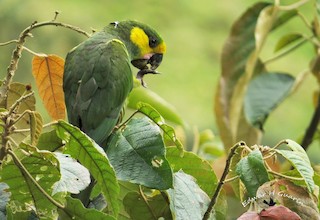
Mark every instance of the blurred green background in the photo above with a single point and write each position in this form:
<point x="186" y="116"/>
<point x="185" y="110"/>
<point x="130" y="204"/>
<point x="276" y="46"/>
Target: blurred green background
<point x="194" y="31"/>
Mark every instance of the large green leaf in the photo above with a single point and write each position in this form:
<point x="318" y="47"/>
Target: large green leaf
<point x="193" y="165"/>
<point x="236" y="53"/>
<point x="264" y="93"/>
<point x="125" y="188"/>
<point x="44" y="168"/>
<point x="74" y="176"/>
<point x="252" y="172"/>
<point x="168" y="132"/>
<point x="90" y="155"/>
<point x="187" y="200"/>
<point x="74" y="210"/>
<point x="141" y="94"/>
<point x="300" y="161"/>
<point x="138" y="155"/>
<point x="146" y="207"/>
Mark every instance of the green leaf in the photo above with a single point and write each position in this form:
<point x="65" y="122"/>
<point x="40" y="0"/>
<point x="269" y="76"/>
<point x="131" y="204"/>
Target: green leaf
<point x="146" y="207"/>
<point x="125" y="188"/>
<point x="168" y="131"/>
<point x="35" y="127"/>
<point x="264" y="93"/>
<point x="287" y="40"/>
<point x="168" y="111"/>
<point x="4" y="199"/>
<point x="90" y="155"/>
<point x="187" y="200"/>
<point x="74" y="210"/>
<point x="236" y="53"/>
<point x="300" y="161"/>
<point x="138" y="155"/>
<point x="74" y="177"/>
<point x="193" y="165"/>
<point x="264" y="25"/>
<point x="16" y="91"/>
<point x="252" y="172"/>
<point x="44" y="168"/>
<point x="49" y="141"/>
<point x="284" y="18"/>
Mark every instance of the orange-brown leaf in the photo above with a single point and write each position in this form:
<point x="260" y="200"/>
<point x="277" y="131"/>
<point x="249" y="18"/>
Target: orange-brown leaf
<point x="48" y="73"/>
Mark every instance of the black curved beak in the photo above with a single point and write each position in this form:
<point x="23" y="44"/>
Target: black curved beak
<point x="154" y="61"/>
<point x="147" y="66"/>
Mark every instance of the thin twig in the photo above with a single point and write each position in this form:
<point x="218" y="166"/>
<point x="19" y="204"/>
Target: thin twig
<point x="292" y="6"/>
<point x="16" y="55"/>
<point x="18" y="102"/>
<point x="222" y="179"/>
<point x="8" y="42"/>
<point x="26" y="174"/>
<point x="287" y="51"/>
<point x="126" y="121"/>
<point x="147" y="203"/>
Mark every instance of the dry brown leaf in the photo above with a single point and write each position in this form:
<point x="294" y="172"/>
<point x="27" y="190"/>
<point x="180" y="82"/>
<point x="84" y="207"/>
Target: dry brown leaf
<point x="48" y="73"/>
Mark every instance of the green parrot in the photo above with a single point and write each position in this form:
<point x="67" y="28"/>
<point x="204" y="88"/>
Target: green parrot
<point x="98" y="78"/>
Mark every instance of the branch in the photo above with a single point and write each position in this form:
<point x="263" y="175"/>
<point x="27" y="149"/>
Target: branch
<point x="222" y="179"/>
<point x="312" y="128"/>
<point x="16" y="55"/>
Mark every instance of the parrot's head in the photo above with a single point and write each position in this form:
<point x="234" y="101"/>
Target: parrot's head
<point x="144" y="44"/>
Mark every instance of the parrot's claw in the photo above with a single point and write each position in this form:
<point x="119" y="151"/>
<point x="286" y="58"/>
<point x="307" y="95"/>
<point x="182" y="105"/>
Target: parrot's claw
<point x="142" y="72"/>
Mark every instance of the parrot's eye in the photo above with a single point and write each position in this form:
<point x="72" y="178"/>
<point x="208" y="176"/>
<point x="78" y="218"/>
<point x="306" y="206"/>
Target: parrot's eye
<point x="152" y="42"/>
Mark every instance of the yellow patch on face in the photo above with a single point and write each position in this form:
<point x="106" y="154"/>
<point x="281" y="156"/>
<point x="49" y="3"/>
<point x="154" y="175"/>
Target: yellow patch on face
<point x="140" y="38"/>
<point x="161" y="48"/>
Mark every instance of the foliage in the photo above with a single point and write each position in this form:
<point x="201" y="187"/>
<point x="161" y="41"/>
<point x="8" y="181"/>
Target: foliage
<point x="144" y="172"/>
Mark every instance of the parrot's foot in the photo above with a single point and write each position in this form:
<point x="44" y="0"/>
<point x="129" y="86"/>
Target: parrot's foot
<point x="142" y="72"/>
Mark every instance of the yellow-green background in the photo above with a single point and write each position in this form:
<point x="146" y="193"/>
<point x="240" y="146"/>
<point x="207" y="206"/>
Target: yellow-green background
<point x="194" y="31"/>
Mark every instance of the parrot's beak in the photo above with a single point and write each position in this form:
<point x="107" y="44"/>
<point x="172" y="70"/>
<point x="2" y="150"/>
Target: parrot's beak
<point x="154" y="60"/>
<point x="147" y="65"/>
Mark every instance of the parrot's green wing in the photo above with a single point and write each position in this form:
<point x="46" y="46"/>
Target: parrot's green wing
<point x="97" y="80"/>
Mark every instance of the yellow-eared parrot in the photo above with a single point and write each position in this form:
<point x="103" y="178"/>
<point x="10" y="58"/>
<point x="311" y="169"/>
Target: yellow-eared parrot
<point x="98" y="78"/>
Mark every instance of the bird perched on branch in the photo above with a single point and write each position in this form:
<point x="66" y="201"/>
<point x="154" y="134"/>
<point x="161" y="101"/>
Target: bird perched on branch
<point x="98" y="78"/>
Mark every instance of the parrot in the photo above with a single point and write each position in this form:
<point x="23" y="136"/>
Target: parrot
<point x="98" y="77"/>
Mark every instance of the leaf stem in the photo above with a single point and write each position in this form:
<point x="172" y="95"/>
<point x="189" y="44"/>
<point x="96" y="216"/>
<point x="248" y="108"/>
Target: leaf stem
<point x="287" y="51"/>
<point x="222" y="179"/>
<point x="231" y="179"/>
<point x="26" y="174"/>
<point x="147" y="203"/>
<point x="285" y="176"/>
<point x="35" y="53"/>
<point x="280" y="143"/>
